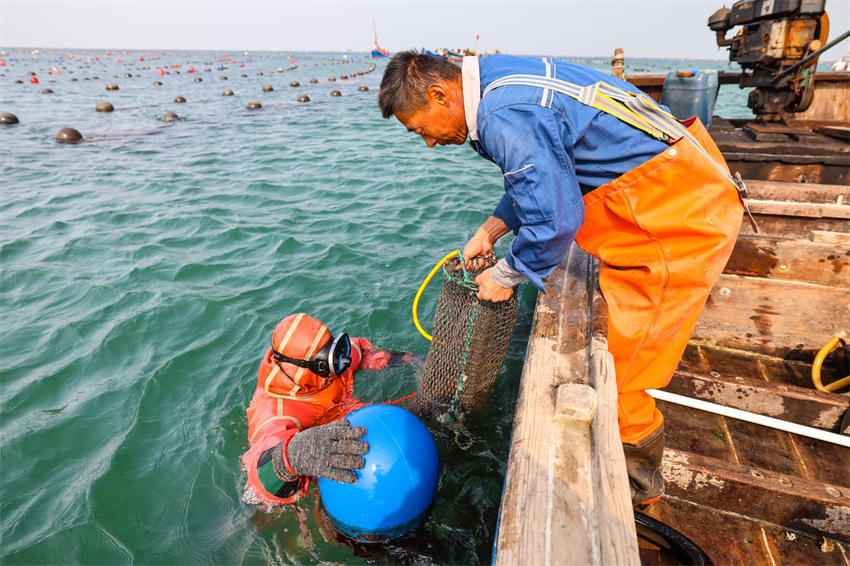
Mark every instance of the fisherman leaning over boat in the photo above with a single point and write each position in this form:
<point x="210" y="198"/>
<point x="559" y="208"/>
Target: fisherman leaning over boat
<point x="584" y="159"/>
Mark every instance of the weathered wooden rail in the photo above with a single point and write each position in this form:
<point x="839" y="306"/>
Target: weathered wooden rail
<point x="566" y="498"/>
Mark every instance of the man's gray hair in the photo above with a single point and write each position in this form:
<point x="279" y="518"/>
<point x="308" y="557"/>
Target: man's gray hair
<point x="407" y="77"/>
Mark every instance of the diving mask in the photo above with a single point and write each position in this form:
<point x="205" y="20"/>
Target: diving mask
<point x="333" y="359"/>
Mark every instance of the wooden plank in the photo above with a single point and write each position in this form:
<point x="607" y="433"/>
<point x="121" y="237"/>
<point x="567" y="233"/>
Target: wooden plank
<point x="831" y="102"/>
<point x="736" y="442"/>
<point x="711" y="359"/>
<point x="765" y="449"/>
<point x="803" y="209"/>
<point x="611" y="482"/>
<point x="561" y="503"/>
<point x="696" y="431"/>
<point x="794" y="547"/>
<point x="780" y="318"/>
<point x="528" y="533"/>
<point x="797" y="192"/>
<point x="738" y="146"/>
<point x="793" y="227"/>
<point x="793" y="404"/>
<point x="652" y="85"/>
<point x="814" y="124"/>
<point x="823" y="462"/>
<point x="788" y="153"/>
<point x="834" y="132"/>
<point x="790" y="455"/>
<point x="762" y="189"/>
<point x="823" y="237"/>
<point x="731" y="539"/>
<point x="648" y="81"/>
<point x="796" y="503"/>
<point x="790" y="260"/>
<point x="806" y="169"/>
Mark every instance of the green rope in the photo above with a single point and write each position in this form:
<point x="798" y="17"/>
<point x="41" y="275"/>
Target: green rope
<point x="469" y="283"/>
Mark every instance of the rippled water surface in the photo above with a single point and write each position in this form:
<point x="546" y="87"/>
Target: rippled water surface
<point x="144" y="269"/>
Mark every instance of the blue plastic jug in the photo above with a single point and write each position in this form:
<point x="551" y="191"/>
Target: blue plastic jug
<point x="690" y="93"/>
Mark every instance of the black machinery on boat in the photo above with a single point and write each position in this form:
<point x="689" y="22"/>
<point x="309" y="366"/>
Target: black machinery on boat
<point x="777" y="46"/>
<point x="775" y="36"/>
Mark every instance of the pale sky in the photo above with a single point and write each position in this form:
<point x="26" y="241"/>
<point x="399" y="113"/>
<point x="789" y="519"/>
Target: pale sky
<point x="648" y="28"/>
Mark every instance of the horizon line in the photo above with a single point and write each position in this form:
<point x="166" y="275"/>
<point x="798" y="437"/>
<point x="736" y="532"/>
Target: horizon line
<point x="183" y="52"/>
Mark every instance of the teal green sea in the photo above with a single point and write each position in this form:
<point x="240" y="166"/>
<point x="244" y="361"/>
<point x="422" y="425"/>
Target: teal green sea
<point x="144" y="270"/>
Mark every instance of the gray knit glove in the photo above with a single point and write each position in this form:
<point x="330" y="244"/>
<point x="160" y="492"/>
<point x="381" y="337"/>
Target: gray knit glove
<point x="328" y="451"/>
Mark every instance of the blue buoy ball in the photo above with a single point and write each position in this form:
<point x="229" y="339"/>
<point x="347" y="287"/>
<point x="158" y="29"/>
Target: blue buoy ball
<point x="395" y="489"/>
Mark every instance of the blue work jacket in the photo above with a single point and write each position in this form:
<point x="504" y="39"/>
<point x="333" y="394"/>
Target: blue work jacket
<point x="551" y="149"/>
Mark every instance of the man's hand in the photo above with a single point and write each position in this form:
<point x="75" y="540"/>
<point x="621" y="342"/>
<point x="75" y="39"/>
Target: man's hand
<point x="489" y="291"/>
<point x="482" y="242"/>
<point x="479" y="244"/>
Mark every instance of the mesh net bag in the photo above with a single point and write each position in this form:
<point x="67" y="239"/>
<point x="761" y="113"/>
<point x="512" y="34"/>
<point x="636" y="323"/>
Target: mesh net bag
<point x="470" y="342"/>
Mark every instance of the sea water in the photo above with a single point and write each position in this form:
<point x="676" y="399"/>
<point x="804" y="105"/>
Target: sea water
<point x="144" y="270"/>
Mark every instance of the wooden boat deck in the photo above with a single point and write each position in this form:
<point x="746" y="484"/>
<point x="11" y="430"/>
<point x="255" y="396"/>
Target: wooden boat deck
<point x="748" y="494"/>
<point x="745" y="493"/>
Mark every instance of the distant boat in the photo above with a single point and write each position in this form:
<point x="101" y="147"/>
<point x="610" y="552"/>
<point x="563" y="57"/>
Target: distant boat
<point x="445" y="54"/>
<point x="454" y="56"/>
<point x="842" y="65"/>
<point x="378" y="52"/>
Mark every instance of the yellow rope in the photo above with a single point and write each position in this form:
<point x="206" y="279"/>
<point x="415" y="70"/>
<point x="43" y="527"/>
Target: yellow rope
<point x="422" y="288"/>
<point x="818" y="363"/>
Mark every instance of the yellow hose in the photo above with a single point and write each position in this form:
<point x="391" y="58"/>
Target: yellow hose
<point x="422" y="288"/>
<point x="818" y="363"/>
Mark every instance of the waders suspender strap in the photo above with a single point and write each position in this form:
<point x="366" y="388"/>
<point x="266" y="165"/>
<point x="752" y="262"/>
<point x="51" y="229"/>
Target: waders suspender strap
<point x="637" y="110"/>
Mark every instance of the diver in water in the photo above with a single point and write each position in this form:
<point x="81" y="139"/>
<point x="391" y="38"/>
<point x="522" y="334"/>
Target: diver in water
<point x="305" y="385"/>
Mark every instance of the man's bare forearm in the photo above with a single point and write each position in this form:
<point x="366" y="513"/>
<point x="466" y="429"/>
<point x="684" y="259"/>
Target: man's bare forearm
<point x="495" y="229"/>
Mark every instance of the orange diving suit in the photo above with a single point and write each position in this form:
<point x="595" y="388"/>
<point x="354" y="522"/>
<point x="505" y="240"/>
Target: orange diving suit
<point x="289" y="399"/>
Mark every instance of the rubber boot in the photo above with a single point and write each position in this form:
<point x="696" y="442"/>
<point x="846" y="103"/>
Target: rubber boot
<point x="643" y="464"/>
